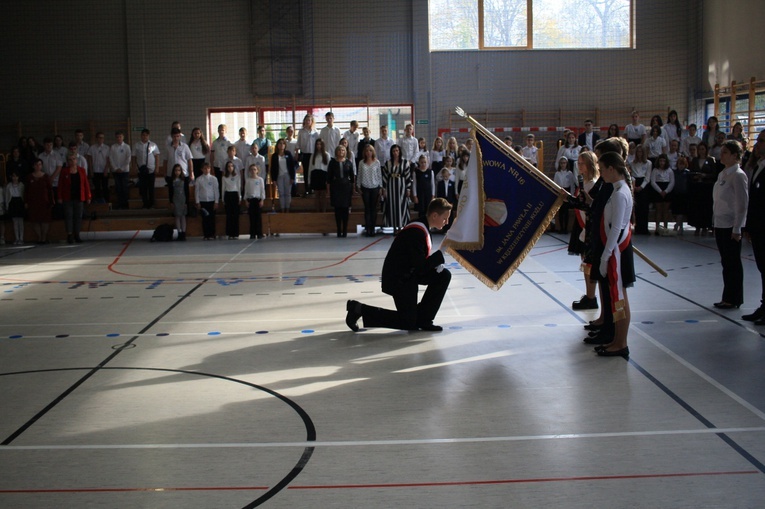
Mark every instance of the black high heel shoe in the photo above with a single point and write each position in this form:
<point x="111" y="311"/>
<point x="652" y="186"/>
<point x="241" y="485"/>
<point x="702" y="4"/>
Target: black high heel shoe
<point x="598" y="339"/>
<point x="593" y="326"/>
<point x="624" y="352"/>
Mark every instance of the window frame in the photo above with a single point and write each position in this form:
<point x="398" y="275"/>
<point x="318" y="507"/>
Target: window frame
<point x="530" y="33"/>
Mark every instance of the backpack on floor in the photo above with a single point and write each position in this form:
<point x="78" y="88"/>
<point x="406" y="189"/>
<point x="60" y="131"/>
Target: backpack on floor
<point x="162" y="233"/>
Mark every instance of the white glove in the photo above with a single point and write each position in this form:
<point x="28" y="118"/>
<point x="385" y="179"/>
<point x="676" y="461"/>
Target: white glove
<point x="440" y="268"/>
<point x="603" y="267"/>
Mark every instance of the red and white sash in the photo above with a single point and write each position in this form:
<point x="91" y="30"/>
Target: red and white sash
<point x="424" y="229"/>
<point x="614" y="272"/>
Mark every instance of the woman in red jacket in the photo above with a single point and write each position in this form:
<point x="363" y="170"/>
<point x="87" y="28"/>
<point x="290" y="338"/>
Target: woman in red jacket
<point x="73" y="192"/>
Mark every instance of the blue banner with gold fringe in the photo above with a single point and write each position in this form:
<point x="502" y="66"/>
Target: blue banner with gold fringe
<point x="508" y="209"/>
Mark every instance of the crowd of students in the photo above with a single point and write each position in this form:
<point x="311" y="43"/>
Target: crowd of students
<point x="674" y="169"/>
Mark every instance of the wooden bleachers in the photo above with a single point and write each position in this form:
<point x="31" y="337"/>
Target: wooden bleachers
<point x="302" y="218"/>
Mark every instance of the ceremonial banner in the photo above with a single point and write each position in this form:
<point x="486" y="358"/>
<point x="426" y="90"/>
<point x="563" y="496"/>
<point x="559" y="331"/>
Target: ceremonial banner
<point x="509" y="207"/>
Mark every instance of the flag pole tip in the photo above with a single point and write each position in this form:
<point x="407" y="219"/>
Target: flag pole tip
<point x="459" y="111"/>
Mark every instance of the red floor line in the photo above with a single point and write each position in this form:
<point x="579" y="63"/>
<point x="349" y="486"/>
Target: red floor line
<point x="391" y="485"/>
<point x="523" y="481"/>
<point x="116" y="260"/>
<point x="551" y="251"/>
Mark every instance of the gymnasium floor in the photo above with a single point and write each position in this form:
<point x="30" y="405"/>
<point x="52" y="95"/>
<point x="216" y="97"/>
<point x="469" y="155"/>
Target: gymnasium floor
<point x="222" y="375"/>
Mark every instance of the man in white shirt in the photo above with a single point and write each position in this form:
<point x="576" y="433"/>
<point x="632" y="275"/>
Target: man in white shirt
<point x="119" y="161"/>
<point x="254" y="158"/>
<point x="52" y="163"/>
<point x="352" y="135"/>
<point x="408" y="145"/>
<point x="237" y="162"/>
<point x="529" y="151"/>
<point x="691" y="139"/>
<point x="82" y="162"/>
<point x="179" y="153"/>
<point x="98" y="162"/>
<point x="146" y="161"/>
<point x="383" y="145"/>
<point x="219" y="151"/>
<point x="292" y="142"/>
<point x="82" y="147"/>
<point x="258" y="160"/>
<point x="207" y="196"/>
<point x="242" y="145"/>
<point x="169" y="139"/>
<point x="59" y="148"/>
<point x="330" y="134"/>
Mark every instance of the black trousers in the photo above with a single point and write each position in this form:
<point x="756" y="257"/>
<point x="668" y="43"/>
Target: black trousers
<point x="101" y="186"/>
<point x="409" y="315"/>
<point x="208" y="220"/>
<point x="758" y="246"/>
<point x="305" y="162"/>
<point x="198" y="166"/>
<point x="370" y="196"/>
<point x="146" y="188"/>
<point x="256" y="221"/>
<point x="642" y="206"/>
<point x="121" y="182"/>
<point x="341" y="221"/>
<point x="231" y="202"/>
<point x="732" y="269"/>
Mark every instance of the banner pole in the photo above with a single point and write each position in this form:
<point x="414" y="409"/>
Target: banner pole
<point x="512" y="153"/>
<point x="648" y="261"/>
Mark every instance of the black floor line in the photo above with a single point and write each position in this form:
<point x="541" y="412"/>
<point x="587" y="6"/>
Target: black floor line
<point x="671" y="394"/>
<point x="702" y="306"/>
<point x="13" y="436"/>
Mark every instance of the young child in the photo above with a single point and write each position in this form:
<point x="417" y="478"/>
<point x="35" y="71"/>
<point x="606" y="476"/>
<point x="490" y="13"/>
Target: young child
<point x="437" y="154"/>
<point x="422" y="150"/>
<point x="179" y="200"/>
<point x="662" y="181"/>
<point x="254" y="195"/>
<point x="529" y="152"/>
<point x="564" y="178"/>
<point x="232" y="198"/>
<point x="691" y="139"/>
<point x="461" y="173"/>
<point x="237" y="162"/>
<point x="679" y="205"/>
<point x="207" y="194"/>
<point x="448" y="166"/>
<point x="631" y="153"/>
<point x="14" y="199"/>
<point x="446" y="189"/>
<point x="673" y="154"/>
<point x="452" y="149"/>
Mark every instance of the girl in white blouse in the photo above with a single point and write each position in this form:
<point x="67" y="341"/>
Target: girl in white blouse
<point x="641" y="174"/>
<point x="655" y="144"/>
<point x="232" y="198"/>
<point x="616" y="264"/>
<point x="662" y="182"/>
<point x="318" y="163"/>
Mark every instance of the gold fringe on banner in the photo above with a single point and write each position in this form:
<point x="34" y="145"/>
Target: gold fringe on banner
<point x="533" y="172"/>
